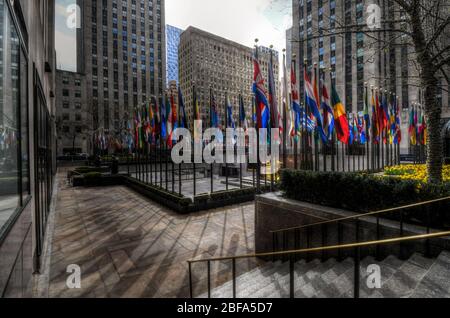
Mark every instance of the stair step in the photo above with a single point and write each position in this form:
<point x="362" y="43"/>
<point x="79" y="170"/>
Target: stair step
<point x="226" y="290"/>
<point x="436" y="283"/>
<point x="406" y="279"/>
<point x="277" y="279"/>
<point x="302" y="276"/>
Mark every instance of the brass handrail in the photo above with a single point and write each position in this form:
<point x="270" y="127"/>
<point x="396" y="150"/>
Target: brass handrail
<point x="327" y="248"/>
<point x="353" y="217"/>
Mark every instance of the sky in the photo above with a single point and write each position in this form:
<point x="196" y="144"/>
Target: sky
<point x="238" y="20"/>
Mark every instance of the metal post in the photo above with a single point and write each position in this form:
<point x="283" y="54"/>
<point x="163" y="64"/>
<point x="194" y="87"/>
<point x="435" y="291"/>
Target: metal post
<point x="209" y="279"/>
<point x="291" y="277"/>
<point x="234" y="278"/>
<point x="191" y="294"/>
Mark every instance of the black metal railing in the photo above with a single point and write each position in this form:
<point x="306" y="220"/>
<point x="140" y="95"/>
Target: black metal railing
<point x="291" y="255"/>
<point x="325" y="225"/>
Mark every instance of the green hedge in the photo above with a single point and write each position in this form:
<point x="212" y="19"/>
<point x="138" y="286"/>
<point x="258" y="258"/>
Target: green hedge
<point x="356" y="192"/>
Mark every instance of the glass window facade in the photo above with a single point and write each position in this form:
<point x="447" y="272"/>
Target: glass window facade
<point x="14" y="143"/>
<point x="173" y="41"/>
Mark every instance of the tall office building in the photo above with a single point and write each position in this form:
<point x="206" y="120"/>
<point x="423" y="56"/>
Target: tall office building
<point x="172" y="42"/>
<point x="355" y="58"/>
<point x="73" y="116"/>
<point x="123" y="56"/>
<point x="27" y="139"/>
<point x="211" y="62"/>
<point x="289" y="48"/>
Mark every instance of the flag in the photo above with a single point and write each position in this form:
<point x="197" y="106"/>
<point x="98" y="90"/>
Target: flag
<point x="230" y="120"/>
<point x="328" y="117"/>
<point x="214" y="112"/>
<point x="340" y="117"/>
<point x="351" y="137"/>
<point x="197" y="113"/>
<point x="151" y="124"/>
<point x="311" y="99"/>
<point x="295" y="104"/>
<point x="362" y="130"/>
<point x="182" y="110"/>
<point x="242" y="114"/>
<point x="412" y="127"/>
<point x="286" y="102"/>
<point x="163" y="111"/>
<point x="398" y="130"/>
<point x="262" y="105"/>
<point x="172" y="121"/>
<point x="375" y="121"/>
<point x="275" y="117"/>
<point x="366" y="110"/>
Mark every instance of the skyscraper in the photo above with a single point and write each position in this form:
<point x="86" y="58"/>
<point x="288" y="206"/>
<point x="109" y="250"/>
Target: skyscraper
<point x="172" y="41"/>
<point x="123" y="57"/>
<point x="212" y="62"/>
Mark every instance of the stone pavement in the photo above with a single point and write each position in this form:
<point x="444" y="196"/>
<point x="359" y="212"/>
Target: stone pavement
<point x="129" y="246"/>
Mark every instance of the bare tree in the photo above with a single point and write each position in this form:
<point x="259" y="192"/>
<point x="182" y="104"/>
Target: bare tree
<point x="423" y="25"/>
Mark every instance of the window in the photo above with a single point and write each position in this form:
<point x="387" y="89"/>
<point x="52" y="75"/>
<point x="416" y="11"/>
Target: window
<point x="14" y="140"/>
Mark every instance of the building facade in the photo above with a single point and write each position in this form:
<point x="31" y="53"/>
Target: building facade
<point x="73" y="118"/>
<point x="27" y="139"/>
<point x="211" y="63"/>
<point x="172" y="42"/>
<point x="352" y="60"/>
<point x="123" y="56"/>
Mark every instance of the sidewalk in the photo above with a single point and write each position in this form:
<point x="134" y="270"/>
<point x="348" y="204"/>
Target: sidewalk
<point x="128" y="246"/>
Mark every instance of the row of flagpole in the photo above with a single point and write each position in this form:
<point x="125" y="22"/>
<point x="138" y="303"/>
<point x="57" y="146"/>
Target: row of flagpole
<point x="318" y="124"/>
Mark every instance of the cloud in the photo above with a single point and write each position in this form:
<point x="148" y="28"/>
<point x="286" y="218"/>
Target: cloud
<point x="66" y="53"/>
<point x="65" y="38"/>
<point x="238" y="20"/>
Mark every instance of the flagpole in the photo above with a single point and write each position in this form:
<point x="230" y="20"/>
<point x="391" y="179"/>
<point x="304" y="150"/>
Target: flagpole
<point x="286" y="103"/>
<point x="211" y="122"/>
<point x="296" y="137"/>
<point x="258" y="164"/>
<point x="316" y="132"/>
<point x="197" y="115"/>
<point x="272" y="124"/>
<point x="367" y="120"/>
<point x="322" y="74"/>
<point x="226" y="141"/>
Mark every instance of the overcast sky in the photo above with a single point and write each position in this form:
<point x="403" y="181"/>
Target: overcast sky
<point x="238" y="20"/>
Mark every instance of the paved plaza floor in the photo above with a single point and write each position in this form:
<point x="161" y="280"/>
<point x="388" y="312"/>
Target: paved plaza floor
<point x="129" y="246"/>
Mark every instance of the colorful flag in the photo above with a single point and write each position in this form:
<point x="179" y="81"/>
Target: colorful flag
<point x="295" y="104"/>
<point x="328" y="117"/>
<point x="366" y="110"/>
<point x="164" y="104"/>
<point x="412" y="127"/>
<point x="273" y="101"/>
<point x="398" y="128"/>
<point x="214" y="113"/>
<point x="362" y="130"/>
<point x="230" y="120"/>
<point x="340" y="117"/>
<point x="182" y="110"/>
<point x="262" y="105"/>
<point x="311" y="100"/>
<point x="375" y="121"/>
<point x="242" y="114"/>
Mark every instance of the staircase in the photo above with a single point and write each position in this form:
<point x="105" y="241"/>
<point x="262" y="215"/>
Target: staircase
<point x="417" y="277"/>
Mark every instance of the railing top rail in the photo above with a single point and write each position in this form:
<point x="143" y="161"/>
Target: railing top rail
<point x="362" y="215"/>
<point x="328" y="248"/>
